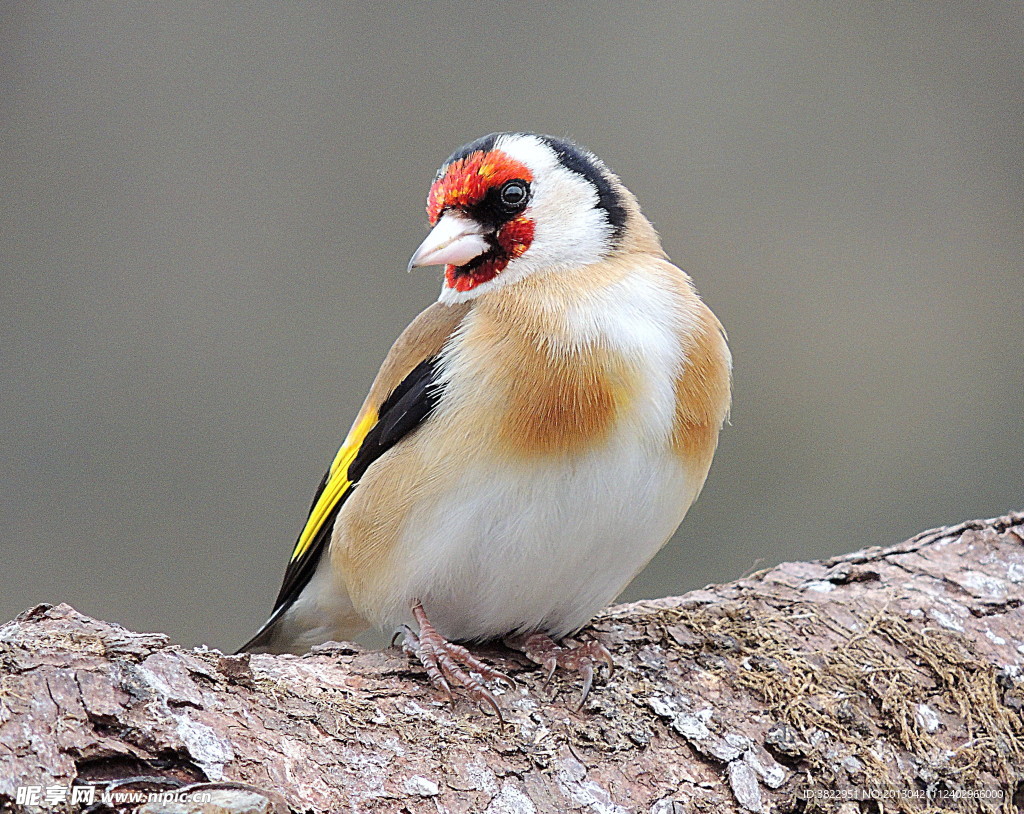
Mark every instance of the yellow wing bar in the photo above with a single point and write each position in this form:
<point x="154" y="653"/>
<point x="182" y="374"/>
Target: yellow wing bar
<point x="337" y="483"/>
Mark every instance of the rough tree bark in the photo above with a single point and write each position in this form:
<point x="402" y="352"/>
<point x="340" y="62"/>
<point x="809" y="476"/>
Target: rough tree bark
<point x="894" y="667"/>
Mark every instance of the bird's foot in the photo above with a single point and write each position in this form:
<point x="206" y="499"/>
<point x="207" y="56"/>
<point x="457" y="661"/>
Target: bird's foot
<point x="448" y="663"/>
<point x="581" y="658"/>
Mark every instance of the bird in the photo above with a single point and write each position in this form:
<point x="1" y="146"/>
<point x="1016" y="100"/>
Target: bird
<point x="531" y="439"/>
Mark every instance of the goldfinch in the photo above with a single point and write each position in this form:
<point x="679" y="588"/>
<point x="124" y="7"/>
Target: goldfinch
<point x="532" y="439"/>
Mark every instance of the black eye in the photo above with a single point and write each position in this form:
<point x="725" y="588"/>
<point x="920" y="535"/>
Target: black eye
<point x="514" y="194"/>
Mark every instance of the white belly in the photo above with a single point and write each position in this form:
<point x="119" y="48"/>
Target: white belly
<point x="530" y="552"/>
<point x="543" y="549"/>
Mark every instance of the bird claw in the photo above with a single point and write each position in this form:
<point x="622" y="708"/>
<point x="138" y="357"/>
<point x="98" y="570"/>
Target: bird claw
<point x="445" y="661"/>
<point x="550" y="665"/>
<point x="582" y="658"/>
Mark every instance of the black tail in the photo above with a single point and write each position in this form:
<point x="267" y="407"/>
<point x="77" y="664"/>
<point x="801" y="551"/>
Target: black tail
<point x="263" y="640"/>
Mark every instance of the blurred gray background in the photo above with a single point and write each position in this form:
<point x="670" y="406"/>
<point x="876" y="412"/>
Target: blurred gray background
<point x="207" y="210"/>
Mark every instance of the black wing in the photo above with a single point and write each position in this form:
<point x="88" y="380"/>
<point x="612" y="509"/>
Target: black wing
<point x="408" y="405"/>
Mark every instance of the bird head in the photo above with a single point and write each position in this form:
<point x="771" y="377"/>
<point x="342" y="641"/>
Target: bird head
<point x="513" y="204"/>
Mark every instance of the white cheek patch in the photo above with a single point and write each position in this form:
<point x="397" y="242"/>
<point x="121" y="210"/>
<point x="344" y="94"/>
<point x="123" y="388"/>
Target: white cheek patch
<point x="570" y="230"/>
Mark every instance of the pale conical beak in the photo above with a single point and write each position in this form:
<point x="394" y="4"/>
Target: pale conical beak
<point x="454" y="240"/>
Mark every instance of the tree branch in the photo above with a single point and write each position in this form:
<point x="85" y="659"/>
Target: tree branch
<point x="894" y="667"/>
